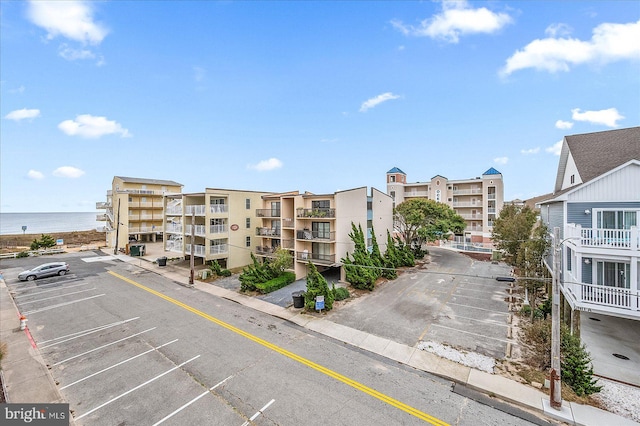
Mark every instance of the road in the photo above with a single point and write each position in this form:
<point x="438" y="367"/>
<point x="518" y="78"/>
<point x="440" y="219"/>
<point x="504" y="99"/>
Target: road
<point x="129" y="347"/>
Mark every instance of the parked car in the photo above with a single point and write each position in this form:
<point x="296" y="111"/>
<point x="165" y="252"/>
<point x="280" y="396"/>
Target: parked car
<point x="45" y="270"/>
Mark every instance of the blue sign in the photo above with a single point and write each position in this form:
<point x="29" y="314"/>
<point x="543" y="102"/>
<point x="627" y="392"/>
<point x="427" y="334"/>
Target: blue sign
<point x="319" y="303"/>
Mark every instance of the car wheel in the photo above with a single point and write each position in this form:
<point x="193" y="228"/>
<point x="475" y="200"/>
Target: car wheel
<point x="61" y="273"/>
<point x="31" y="277"/>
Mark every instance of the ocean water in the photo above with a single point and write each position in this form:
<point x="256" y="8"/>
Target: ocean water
<point x="43" y="223"/>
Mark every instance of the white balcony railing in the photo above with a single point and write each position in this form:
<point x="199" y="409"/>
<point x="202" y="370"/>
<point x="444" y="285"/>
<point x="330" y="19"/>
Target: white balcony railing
<point x="218" y="208"/>
<point x="472" y="191"/>
<point x="624" y="239"/>
<point x="218" y="249"/>
<point x="416" y="194"/>
<point x="200" y="230"/>
<point x="477" y="204"/>
<point x="611" y="300"/>
<point x="217" y="229"/>
<point x="174" y="210"/>
<point x="199" y="210"/>
<point x="174" y="246"/>
<point x="175" y="228"/>
<point x="198" y="250"/>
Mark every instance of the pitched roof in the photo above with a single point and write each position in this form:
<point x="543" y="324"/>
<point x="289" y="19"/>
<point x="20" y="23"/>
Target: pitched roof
<point x="492" y="171"/>
<point x="149" y="181"/>
<point x="396" y="170"/>
<point x="596" y="153"/>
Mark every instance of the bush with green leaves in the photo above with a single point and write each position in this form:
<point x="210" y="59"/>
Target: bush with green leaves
<point x="218" y="270"/>
<point x="340" y="293"/>
<point x="45" y="241"/>
<point x="255" y="273"/>
<point x="317" y="286"/>
<point x="22" y="254"/>
<point x="361" y="270"/>
<point x="276" y="283"/>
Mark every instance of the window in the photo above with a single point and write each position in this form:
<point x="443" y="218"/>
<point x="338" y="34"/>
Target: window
<point x="320" y="204"/>
<point x="248" y="223"/>
<point x="393" y="195"/>
<point x="321" y="229"/>
<point x="247" y="203"/>
<point x="613" y="274"/>
<point x="392" y="178"/>
<point x="247" y="242"/>
<point x="573" y="179"/>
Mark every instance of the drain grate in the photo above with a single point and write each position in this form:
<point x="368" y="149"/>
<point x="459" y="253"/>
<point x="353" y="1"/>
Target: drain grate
<point x="594" y="319"/>
<point x="626" y="358"/>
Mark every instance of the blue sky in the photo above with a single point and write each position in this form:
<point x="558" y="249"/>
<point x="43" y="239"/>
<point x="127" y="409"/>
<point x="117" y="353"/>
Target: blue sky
<point x="301" y="95"/>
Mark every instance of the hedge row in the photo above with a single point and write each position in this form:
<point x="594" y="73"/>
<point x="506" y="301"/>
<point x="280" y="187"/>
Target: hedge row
<point x="276" y="283"/>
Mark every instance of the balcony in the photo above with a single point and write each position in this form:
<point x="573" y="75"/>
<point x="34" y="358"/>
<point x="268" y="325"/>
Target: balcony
<point x="198" y="250"/>
<point x="288" y="223"/>
<point x="268" y="212"/>
<point x="174" y="246"/>
<point x="622" y="302"/>
<point x="267" y="232"/>
<point x="316" y="213"/>
<point x="321" y="259"/>
<point x="101" y="217"/>
<point x="173" y="211"/>
<point x="200" y="230"/>
<point x="218" y="229"/>
<point x="315" y="235"/>
<point x="593" y="240"/>
<point x="472" y="191"/>
<point x="219" y="249"/>
<point x="266" y="250"/>
<point x="471" y="216"/>
<point x="218" y="208"/>
<point x="138" y="191"/>
<point x="198" y="210"/>
<point x="416" y="194"/>
<point x="477" y="204"/>
<point x="103" y="205"/>
<point x="174" y="228"/>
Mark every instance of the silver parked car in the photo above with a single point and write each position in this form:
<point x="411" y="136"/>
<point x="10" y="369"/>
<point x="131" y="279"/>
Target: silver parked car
<point x="46" y="270"/>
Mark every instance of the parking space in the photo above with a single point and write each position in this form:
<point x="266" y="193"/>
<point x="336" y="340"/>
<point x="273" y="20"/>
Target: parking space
<point x="452" y="299"/>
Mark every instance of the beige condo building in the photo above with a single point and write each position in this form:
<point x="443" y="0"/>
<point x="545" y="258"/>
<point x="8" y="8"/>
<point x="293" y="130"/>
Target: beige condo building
<point x="478" y="200"/>
<point x="134" y="210"/>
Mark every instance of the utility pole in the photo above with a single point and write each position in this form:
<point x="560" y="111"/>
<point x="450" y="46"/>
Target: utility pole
<point x="193" y="241"/>
<point x="554" y="390"/>
<point x="115" y="248"/>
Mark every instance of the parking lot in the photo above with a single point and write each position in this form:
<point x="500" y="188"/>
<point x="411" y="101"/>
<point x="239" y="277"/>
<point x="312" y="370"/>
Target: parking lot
<point x="452" y="299"/>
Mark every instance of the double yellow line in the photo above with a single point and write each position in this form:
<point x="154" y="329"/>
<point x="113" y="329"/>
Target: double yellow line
<point x="356" y="385"/>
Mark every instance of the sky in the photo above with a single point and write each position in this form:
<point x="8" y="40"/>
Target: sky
<point x="302" y="95"/>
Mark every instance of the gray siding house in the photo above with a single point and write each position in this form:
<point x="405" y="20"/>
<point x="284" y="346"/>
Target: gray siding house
<point x="596" y="205"/>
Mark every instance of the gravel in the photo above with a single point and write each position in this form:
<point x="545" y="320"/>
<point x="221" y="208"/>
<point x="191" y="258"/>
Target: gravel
<point x="470" y="359"/>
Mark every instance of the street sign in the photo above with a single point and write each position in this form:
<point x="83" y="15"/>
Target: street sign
<point x="59" y="242"/>
<point x="319" y="303"/>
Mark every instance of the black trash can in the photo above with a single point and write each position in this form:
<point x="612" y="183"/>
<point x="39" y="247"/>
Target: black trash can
<point x="298" y="299"/>
<point x="162" y="261"/>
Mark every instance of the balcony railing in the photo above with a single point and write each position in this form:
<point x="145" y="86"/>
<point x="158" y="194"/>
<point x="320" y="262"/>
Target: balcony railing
<point x="266" y="250"/>
<point x="218" y="208"/>
<point x="147" y="229"/>
<point x="590" y="297"/>
<point x="101" y="217"/>
<point x="316" y="235"/>
<point x="625" y="239"/>
<point x="198" y="250"/>
<point x="175" y="228"/>
<point x="416" y="194"/>
<point x="219" y="249"/>
<point x="200" y="230"/>
<point x="316" y="213"/>
<point x="471" y="216"/>
<point x="174" y="211"/>
<point x="325" y="259"/>
<point x="267" y="232"/>
<point x="288" y="223"/>
<point x="268" y="212"/>
<point x="477" y="204"/>
<point x="199" y="210"/>
<point x="218" y="229"/>
<point x="472" y="191"/>
<point x="103" y="205"/>
<point x="174" y="246"/>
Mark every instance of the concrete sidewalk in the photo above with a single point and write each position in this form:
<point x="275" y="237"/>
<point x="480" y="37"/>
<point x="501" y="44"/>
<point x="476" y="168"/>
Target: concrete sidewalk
<point x="28" y="379"/>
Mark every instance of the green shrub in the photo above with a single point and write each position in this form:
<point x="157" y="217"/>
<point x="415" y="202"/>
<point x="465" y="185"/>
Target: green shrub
<point x="22" y="254"/>
<point x="217" y="269"/>
<point x="525" y="310"/>
<point x="276" y="283"/>
<point x="317" y="286"/>
<point x="340" y="293"/>
<point x="225" y="273"/>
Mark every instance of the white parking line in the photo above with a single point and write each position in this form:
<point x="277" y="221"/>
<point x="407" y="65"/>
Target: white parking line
<point x="98" y="258"/>
<point x="61" y="304"/>
<point x="55" y="297"/>
<point x="481" y="309"/>
<point x="191" y="402"/>
<point x="485" y="321"/>
<point x="17" y="293"/>
<point x="473" y="334"/>
<point x="118" y="364"/>
<point x="103" y="346"/>
<point x="84" y="332"/>
<point x="136" y="388"/>
<point x="255" y="416"/>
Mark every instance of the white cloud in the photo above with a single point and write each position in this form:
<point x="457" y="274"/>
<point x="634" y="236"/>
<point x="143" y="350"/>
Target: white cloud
<point x="88" y="126"/>
<point x="608" y="117"/>
<point x="71" y="54"/>
<point x="501" y="160"/>
<point x="609" y="43"/>
<point x="555" y="148"/>
<point x="70" y="19"/>
<point x="373" y="102"/>
<point x="555" y="30"/>
<point x="564" y="124"/>
<point x="457" y="18"/>
<point x="530" y="151"/>
<point x="68" y="172"/>
<point x="21" y="114"/>
<point x="35" y="175"/>
<point x="266" y="165"/>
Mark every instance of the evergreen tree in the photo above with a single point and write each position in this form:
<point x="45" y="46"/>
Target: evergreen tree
<point x="317" y="286"/>
<point x="360" y="271"/>
<point x="576" y="368"/>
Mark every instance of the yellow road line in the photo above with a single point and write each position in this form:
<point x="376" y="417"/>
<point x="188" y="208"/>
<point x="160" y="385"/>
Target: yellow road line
<point x="356" y="385"/>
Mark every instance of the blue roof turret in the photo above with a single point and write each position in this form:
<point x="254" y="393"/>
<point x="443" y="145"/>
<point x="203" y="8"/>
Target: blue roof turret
<point x="396" y="170"/>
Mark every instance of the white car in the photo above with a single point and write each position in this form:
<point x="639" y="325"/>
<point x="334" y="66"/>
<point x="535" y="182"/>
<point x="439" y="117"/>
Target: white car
<point x="46" y="270"/>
